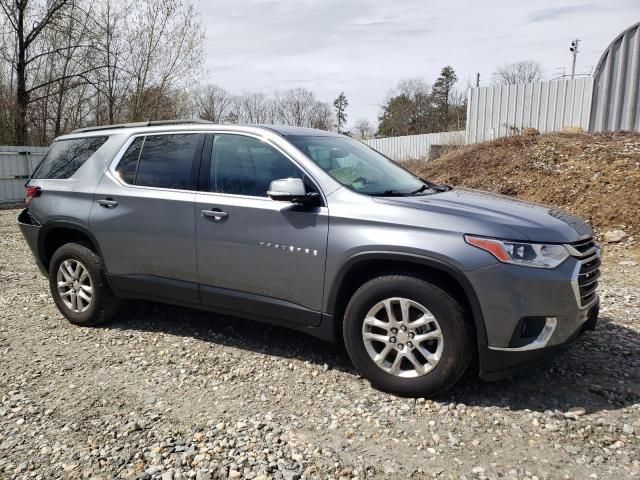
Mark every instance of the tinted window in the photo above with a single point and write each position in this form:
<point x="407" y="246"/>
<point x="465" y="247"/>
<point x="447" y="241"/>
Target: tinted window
<point x="65" y="157"/>
<point x="129" y="162"/>
<point x="246" y="166"/>
<point x="166" y="161"/>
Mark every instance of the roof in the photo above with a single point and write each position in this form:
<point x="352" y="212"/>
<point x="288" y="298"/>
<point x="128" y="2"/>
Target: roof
<point x="289" y="131"/>
<point x="141" y="126"/>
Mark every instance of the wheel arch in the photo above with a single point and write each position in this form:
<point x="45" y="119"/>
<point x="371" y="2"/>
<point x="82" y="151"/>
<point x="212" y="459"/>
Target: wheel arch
<point x="55" y="234"/>
<point x="363" y="267"/>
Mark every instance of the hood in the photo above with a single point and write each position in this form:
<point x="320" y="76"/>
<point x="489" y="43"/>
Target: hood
<point x="537" y="223"/>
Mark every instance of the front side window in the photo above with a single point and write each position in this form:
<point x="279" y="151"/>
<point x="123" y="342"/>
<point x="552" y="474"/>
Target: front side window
<point x="246" y="166"/>
<point x="357" y="166"/>
<point x="65" y="157"/>
<point x="161" y="161"/>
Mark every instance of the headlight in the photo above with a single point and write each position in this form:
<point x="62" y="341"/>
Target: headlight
<point x="538" y="255"/>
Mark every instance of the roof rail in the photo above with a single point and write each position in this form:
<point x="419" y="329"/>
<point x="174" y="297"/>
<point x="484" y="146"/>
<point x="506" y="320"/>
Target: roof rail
<point x="150" y="123"/>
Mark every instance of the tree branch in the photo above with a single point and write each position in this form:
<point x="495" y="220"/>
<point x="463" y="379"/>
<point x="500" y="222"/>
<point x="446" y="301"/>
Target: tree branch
<point x="56" y="50"/>
<point x="9" y="16"/>
<point x="33" y="34"/>
<point x="65" y="77"/>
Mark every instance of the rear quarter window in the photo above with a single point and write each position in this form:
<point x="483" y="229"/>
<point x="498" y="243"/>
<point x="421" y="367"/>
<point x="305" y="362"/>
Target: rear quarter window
<point x="65" y="157"/>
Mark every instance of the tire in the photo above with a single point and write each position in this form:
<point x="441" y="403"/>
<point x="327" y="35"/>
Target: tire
<point x="446" y="343"/>
<point x="103" y="305"/>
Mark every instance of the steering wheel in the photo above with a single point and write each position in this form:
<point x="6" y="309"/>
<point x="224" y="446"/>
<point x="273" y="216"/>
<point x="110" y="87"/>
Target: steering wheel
<point x="360" y="179"/>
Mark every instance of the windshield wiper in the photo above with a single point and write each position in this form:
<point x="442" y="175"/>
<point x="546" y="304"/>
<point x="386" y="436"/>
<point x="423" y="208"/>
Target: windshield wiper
<point x="436" y="186"/>
<point x="388" y="193"/>
<point x="421" y="189"/>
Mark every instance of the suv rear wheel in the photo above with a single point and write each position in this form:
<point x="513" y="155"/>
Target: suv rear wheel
<point x="78" y="286"/>
<point x="407" y="336"/>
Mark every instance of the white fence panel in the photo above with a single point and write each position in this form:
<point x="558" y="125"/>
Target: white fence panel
<point x="16" y="164"/>
<point x="414" y="147"/>
<point x="497" y="110"/>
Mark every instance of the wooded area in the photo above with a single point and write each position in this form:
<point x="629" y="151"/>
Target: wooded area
<point x="66" y="64"/>
<point x="71" y="63"/>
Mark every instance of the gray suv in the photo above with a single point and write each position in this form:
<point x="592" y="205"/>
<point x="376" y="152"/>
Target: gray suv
<point x="313" y="231"/>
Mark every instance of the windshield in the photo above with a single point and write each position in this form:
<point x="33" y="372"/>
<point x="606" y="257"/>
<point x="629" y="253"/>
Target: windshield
<point x="357" y="166"/>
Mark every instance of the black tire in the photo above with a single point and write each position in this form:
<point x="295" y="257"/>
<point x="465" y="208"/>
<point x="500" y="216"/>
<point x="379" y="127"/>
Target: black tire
<point x="457" y="335"/>
<point x="103" y="304"/>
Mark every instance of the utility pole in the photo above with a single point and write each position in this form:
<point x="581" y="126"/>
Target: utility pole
<point x="574" y="50"/>
<point x="478" y="79"/>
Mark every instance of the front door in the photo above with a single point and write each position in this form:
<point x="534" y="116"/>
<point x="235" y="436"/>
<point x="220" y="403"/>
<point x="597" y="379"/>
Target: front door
<point x="143" y="217"/>
<point x="256" y="255"/>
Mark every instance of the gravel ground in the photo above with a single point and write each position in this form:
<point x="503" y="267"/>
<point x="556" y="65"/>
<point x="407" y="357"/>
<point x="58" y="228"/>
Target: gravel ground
<point x="170" y="393"/>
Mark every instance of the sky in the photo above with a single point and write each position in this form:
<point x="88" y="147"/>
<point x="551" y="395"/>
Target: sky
<point x="365" y="47"/>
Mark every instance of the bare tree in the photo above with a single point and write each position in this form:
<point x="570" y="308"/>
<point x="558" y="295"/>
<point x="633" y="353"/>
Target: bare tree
<point x="321" y="116"/>
<point x="70" y="38"/>
<point x="27" y="20"/>
<point x="213" y="103"/>
<point x="363" y="129"/>
<point x="518" y="72"/>
<point x="254" y="108"/>
<point x="166" y="52"/>
<point x="295" y="107"/>
<point x="113" y="51"/>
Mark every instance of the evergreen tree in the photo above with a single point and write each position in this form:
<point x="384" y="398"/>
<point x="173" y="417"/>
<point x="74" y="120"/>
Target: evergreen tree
<point x="441" y="94"/>
<point x="340" y="104"/>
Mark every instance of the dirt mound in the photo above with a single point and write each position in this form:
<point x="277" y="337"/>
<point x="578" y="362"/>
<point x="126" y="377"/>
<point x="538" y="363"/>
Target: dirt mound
<point x="596" y="176"/>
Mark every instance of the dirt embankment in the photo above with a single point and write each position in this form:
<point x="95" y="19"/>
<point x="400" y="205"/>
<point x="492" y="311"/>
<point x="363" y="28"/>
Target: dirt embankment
<point x="596" y="176"/>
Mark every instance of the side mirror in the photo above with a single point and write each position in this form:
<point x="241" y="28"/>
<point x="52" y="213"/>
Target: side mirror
<point x="290" y="190"/>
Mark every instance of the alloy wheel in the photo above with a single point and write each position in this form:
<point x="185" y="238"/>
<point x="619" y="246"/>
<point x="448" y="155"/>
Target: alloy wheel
<point x="402" y="337"/>
<point x="75" y="285"/>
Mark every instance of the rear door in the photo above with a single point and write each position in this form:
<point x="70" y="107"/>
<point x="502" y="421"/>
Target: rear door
<point x="143" y="216"/>
<point x="258" y="256"/>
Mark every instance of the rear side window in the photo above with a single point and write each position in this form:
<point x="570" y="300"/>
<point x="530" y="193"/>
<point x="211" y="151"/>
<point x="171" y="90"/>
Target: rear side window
<point x="163" y="161"/>
<point x="65" y="157"/>
<point x="129" y="163"/>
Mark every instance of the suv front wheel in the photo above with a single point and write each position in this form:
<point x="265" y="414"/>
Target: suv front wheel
<point x="407" y="336"/>
<point x="78" y="286"/>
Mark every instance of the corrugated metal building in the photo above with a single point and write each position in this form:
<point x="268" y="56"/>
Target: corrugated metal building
<point x="413" y="147"/>
<point x="16" y="164"/>
<point x="500" y="110"/>
<point x="616" y="98"/>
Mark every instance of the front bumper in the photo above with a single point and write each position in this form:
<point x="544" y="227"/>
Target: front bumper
<point x="497" y="364"/>
<point x="528" y="314"/>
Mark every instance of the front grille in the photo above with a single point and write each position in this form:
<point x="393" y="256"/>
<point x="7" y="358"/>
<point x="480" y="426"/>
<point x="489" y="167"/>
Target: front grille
<point x="588" y="280"/>
<point x="584" y="248"/>
<point x="585" y="280"/>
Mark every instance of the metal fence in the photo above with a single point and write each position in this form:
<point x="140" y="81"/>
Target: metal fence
<point x="414" y="147"/>
<point x="16" y="164"/>
<point x="499" y="110"/>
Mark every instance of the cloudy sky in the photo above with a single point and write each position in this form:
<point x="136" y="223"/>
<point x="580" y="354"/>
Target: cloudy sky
<point x="364" y="47"/>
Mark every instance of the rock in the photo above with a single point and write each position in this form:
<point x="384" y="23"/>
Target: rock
<point x="290" y="475"/>
<point x="575" y="413"/>
<point x="203" y="475"/>
<point x="168" y="475"/>
<point x="571" y="129"/>
<point x="615" y="236"/>
<point x="234" y="474"/>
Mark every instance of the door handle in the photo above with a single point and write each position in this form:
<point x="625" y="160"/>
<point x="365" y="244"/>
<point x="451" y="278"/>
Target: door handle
<point x="108" y="203"/>
<point x="215" y="213"/>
